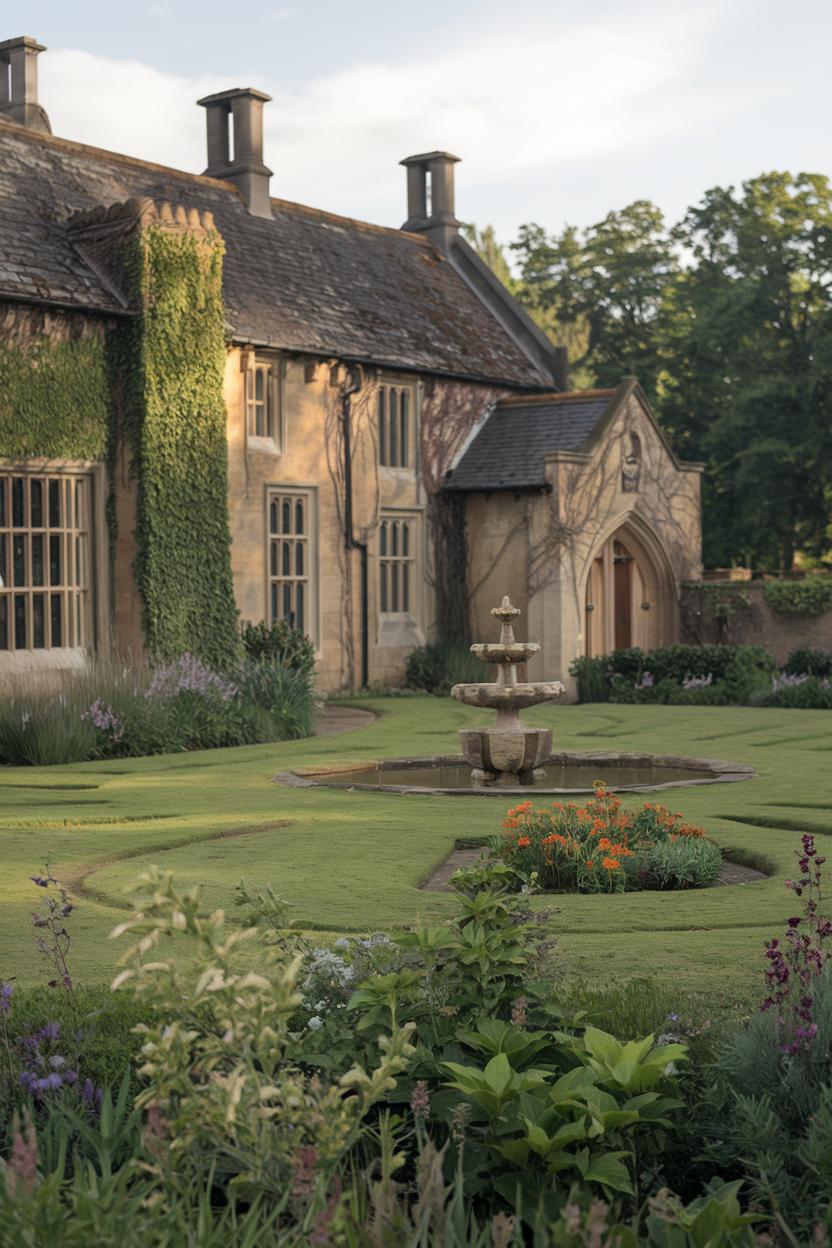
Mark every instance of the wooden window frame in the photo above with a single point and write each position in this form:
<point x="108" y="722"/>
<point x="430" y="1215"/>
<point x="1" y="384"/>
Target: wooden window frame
<point x="77" y="592"/>
<point x="272" y="437"/>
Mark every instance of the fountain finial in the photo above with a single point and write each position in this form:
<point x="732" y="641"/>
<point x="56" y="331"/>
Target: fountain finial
<point x="506" y="613"/>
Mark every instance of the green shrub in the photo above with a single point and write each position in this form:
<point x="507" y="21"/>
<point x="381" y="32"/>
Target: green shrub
<point x="810" y="597"/>
<point x="592" y="677"/>
<point x="776" y="1114"/>
<point x="117" y="711"/>
<point x="281" y="697"/>
<point x="41" y="731"/>
<point x="278" y="643"/>
<point x="806" y="660"/>
<point x="798" y="693"/>
<point x="712" y="675"/>
<point x="685" y="863"/>
<point x="439" y="665"/>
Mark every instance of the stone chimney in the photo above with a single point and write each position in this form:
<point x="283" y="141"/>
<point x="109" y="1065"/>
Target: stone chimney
<point x="430" y="196"/>
<point x="238" y="157"/>
<point x="19" y="83"/>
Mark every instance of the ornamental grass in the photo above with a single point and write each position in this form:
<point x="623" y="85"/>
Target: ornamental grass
<point x="599" y="848"/>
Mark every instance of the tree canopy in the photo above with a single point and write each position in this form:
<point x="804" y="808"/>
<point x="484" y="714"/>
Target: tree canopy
<point x="726" y="319"/>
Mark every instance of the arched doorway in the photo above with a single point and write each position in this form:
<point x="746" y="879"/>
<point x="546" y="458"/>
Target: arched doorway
<point x="630" y="599"/>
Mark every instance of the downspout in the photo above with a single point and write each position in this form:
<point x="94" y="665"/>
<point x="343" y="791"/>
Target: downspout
<point x="352" y="386"/>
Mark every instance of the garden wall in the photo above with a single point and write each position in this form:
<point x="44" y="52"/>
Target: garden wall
<point x="737" y="611"/>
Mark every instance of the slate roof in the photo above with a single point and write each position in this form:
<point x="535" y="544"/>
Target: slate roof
<point x="507" y="452"/>
<point x="306" y="280"/>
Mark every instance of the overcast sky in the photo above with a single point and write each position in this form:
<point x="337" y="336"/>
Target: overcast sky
<point x="560" y="111"/>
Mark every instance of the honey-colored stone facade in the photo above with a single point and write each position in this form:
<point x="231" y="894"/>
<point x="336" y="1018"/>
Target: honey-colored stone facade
<point x="308" y="458"/>
<point x="547" y="548"/>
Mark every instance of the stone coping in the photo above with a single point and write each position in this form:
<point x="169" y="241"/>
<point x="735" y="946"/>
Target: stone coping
<point x="720" y="772"/>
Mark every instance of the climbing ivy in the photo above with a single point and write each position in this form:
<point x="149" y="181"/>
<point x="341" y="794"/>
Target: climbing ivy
<point x="810" y="597"/>
<point x="54" y="399"/>
<point x="172" y="361"/>
<point x="724" y="599"/>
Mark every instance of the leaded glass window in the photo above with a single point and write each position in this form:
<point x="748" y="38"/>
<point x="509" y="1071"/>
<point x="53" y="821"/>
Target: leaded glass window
<point x="395" y="427"/>
<point x="290" y="559"/>
<point x="45" y="583"/>
<point x="397" y="557"/>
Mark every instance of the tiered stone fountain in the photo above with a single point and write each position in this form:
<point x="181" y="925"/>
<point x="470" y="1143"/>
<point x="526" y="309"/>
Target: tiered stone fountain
<point x="509" y="754"/>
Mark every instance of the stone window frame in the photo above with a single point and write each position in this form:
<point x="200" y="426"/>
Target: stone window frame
<point x="276" y="544"/>
<point x="391" y="559"/>
<point x="94" y="634"/>
<point x="273" y="439"/>
<point x="387" y="421"/>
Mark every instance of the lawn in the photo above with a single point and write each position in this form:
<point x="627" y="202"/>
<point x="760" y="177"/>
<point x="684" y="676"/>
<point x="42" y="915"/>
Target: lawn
<point x="353" y="861"/>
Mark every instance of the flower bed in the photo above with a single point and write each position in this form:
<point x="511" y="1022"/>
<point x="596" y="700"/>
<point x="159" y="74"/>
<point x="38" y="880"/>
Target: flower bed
<point x="599" y="848"/>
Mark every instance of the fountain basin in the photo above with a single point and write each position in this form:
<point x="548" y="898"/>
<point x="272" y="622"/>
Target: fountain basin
<point x="497" y="697"/>
<point x="512" y="652"/>
<point x="566" y="773"/>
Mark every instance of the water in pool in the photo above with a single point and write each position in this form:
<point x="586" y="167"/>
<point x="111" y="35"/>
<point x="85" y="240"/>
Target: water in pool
<point x="559" y="777"/>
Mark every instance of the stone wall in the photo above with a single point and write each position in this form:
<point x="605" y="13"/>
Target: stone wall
<point x="309" y="456"/>
<point x="706" y="620"/>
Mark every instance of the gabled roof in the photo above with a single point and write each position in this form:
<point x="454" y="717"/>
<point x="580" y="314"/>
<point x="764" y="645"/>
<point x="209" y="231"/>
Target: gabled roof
<point x="508" y="452"/>
<point x="306" y="281"/>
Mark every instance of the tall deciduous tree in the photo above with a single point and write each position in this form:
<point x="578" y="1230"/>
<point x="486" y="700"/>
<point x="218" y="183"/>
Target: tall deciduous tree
<point x="607" y="283"/>
<point x="747" y="350"/>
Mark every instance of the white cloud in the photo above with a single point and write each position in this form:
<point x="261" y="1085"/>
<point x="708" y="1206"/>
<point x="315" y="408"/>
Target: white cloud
<point x="516" y="102"/>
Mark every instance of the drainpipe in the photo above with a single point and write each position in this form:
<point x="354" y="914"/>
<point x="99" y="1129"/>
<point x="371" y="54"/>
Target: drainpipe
<point x="352" y="386"/>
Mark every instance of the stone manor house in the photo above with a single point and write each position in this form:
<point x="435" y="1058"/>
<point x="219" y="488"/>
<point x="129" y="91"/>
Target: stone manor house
<point x="214" y="403"/>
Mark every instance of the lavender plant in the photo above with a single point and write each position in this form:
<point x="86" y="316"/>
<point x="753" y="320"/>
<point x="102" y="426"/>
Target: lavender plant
<point x="188" y="674"/>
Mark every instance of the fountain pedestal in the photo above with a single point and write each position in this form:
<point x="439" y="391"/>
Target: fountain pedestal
<point x="509" y="753"/>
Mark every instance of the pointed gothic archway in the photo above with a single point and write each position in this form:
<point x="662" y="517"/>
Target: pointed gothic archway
<point x="630" y="597"/>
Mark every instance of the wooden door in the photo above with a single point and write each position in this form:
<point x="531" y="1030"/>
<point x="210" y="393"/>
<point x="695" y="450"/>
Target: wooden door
<point x="622" y="578"/>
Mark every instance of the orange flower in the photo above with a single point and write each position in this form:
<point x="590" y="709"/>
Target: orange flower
<point x="610" y="864"/>
<point x="523" y="841"/>
<point x="590" y="865"/>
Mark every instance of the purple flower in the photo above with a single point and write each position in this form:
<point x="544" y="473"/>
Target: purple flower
<point x="787" y="681"/>
<point x="105" y="720"/>
<point x="698" y="682"/>
<point x="188" y="674"/>
<point x="5" y="997"/>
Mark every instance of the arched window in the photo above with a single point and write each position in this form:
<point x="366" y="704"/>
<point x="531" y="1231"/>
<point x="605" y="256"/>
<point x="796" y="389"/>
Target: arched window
<point x="395" y="428"/>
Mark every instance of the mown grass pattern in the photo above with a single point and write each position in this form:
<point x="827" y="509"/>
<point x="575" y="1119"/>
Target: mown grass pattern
<point x="354" y="861"/>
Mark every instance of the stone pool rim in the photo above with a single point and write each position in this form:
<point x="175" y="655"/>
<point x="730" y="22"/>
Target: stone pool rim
<point x="719" y="772"/>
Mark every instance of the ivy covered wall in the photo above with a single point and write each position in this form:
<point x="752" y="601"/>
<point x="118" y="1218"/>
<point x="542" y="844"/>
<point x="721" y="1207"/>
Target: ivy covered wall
<point x="54" y="385"/>
<point x="171" y="360"/>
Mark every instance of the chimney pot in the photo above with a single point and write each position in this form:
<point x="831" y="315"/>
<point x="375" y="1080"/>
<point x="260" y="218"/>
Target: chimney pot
<point x="243" y="164"/>
<point x="439" y="222"/>
<point x="19" y="83"/>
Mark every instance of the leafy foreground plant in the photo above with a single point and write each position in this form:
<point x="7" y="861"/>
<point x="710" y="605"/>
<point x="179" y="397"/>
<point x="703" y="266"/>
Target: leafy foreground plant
<point x="776" y="1116"/>
<point x="422" y="1090"/>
